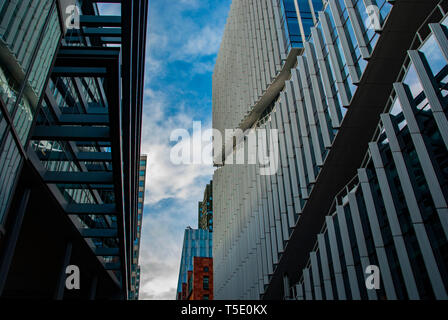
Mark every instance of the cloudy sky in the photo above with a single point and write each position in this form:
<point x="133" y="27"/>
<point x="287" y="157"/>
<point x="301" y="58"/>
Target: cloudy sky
<point x="184" y="38"/>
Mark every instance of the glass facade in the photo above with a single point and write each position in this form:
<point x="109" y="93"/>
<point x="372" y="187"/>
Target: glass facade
<point x="197" y="243"/>
<point x="135" y="276"/>
<point x="298" y="19"/>
<point x="29" y="36"/>
<point x="61" y="93"/>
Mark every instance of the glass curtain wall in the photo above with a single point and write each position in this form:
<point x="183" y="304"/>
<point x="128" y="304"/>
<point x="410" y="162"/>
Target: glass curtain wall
<point x="29" y="36"/>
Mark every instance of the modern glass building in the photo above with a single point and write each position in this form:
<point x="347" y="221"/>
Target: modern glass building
<point x="342" y="96"/>
<point x="298" y="16"/>
<point x="70" y="123"/>
<point x="30" y="33"/>
<point x="135" y="273"/>
<point x="197" y="243"/>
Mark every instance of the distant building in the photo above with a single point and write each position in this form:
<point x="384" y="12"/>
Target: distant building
<point x="200" y="280"/>
<point x="205" y="208"/>
<point x="197" y="244"/>
<point x="135" y="275"/>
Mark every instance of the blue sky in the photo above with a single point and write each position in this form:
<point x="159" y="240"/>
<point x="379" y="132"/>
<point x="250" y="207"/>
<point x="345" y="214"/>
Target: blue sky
<point x="183" y="41"/>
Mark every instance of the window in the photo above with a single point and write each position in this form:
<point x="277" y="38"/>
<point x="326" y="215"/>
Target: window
<point x="205" y="297"/>
<point x="143" y="163"/>
<point x="141" y="183"/>
<point x="140" y="194"/>
<point x="206" y="283"/>
<point x="205" y="269"/>
<point x="142" y="173"/>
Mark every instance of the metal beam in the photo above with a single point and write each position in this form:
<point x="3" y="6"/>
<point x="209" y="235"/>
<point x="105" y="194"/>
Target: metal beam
<point x="78" y="177"/>
<point x="86" y="52"/>
<point x="98" y="166"/>
<point x="112" y="266"/>
<point x="79" y="72"/>
<point x="102" y="187"/>
<point x="84" y="119"/>
<point x="99" y="233"/>
<point x="97" y="209"/>
<point x="100" y="21"/>
<point x="102" y="32"/>
<point x="79" y="156"/>
<point x="115" y="40"/>
<point x="106" y="251"/>
<point x="94" y="156"/>
<point x="71" y="133"/>
<point x="103" y="144"/>
<point x="97" y="110"/>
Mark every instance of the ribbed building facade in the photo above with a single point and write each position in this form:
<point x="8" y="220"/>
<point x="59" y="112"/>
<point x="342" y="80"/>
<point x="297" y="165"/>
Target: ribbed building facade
<point x="295" y="234"/>
<point x="255" y="59"/>
<point x="394" y="214"/>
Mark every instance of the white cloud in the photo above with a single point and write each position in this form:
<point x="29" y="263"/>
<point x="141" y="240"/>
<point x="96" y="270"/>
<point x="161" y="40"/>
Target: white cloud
<point x="202" y="67"/>
<point x="165" y="179"/>
<point x="159" y="257"/>
<point x="176" y="33"/>
<point x="204" y="43"/>
<point x="161" y="244"/>
<point x="180" y="34"/>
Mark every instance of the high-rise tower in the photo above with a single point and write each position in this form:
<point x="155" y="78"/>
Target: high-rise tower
<point x="205" y="209"/>
<point x="135" y="270"/>
<point x="360" y="112"/>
